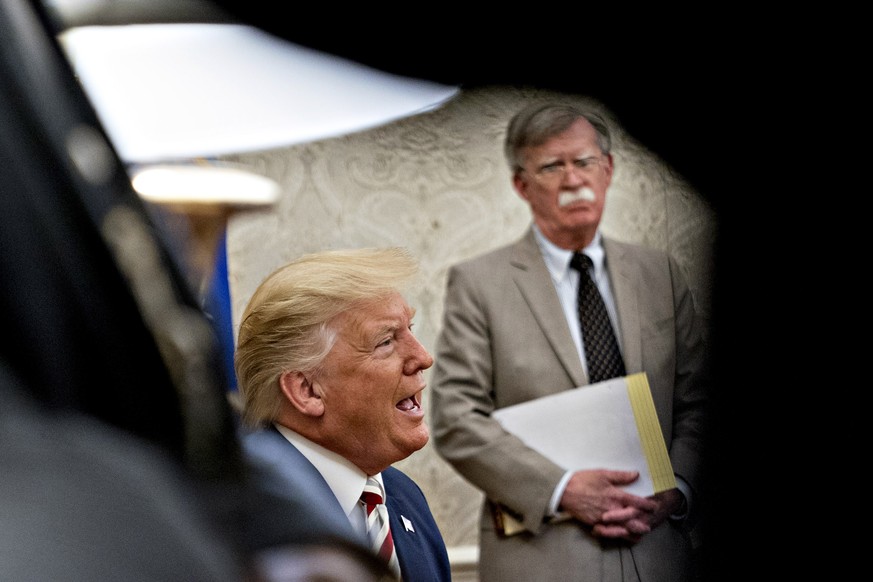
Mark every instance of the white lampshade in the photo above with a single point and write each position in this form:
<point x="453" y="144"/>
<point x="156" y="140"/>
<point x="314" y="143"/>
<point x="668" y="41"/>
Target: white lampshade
<point x="179" y="91"/>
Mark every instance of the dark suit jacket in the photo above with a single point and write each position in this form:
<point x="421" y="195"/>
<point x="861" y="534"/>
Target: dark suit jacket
<point x="420" y="547"/>
<point x="505" y="340"/>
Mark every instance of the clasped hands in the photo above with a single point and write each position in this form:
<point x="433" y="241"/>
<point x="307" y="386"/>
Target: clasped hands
<point x="595" y="497"/>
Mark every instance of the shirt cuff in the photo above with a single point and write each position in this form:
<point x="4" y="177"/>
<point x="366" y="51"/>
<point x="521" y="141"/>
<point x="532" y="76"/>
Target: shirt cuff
<point x="685" y="489"/>
<point x="557" y="494"/>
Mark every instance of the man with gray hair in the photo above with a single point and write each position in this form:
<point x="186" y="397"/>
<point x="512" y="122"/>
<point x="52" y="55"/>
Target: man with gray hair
<point x="521" y="322"/>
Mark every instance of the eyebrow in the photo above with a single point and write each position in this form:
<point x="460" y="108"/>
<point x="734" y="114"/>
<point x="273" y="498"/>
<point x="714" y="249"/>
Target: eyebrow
<point x="553" y="159"/>
<point x="392" y="327"/>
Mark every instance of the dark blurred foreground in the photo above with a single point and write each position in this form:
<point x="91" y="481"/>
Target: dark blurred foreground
<point x="98" y="320"/>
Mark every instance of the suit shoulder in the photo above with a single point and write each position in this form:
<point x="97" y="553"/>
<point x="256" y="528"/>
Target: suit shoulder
<point x="257" y="440"/>
<point x="486" y="259"/>
<point x="640" y="253"/>
<point x="632" y="247"/>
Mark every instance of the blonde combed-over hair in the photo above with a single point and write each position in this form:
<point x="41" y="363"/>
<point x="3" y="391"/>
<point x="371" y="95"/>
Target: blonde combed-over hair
<point x="286" y="325"/>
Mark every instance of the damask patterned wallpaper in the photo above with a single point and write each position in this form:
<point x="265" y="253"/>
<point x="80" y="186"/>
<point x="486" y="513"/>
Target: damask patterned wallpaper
<point x="438" y="184"/>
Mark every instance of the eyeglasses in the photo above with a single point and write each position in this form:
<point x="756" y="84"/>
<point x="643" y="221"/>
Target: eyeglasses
<point x="558" y="169"/>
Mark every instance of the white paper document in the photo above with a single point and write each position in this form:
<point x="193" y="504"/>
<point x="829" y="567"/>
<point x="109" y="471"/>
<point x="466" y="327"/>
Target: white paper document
<point x="608" y="425"/>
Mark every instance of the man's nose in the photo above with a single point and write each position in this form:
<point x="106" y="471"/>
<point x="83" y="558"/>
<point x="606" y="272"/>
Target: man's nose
<point x="419" y="359"/>
<point x="572" y="175"/>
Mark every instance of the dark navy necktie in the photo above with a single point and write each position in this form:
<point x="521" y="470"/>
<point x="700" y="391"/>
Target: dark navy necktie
<point x="601" y="348"/>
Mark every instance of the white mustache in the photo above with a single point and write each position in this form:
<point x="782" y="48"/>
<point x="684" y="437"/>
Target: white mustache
<point x="585" y="193"/>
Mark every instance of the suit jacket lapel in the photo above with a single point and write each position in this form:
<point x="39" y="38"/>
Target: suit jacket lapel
<point x="624" y="290"/>
<point x="417" y="538"/>
<point x="535" y="284"/>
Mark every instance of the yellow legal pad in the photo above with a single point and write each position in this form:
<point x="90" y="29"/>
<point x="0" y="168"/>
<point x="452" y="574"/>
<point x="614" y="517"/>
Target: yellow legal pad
<point x="651" y="437"/>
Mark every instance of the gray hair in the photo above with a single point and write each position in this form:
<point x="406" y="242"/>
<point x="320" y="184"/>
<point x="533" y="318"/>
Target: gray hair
<point x="538" y="122"/>
<point x="286" y="325"/>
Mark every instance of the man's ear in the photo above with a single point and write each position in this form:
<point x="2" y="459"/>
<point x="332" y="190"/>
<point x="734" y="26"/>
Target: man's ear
<point x="609" y="169"/>
<point x="520" y="185"/>
<point x="301" y="393"/>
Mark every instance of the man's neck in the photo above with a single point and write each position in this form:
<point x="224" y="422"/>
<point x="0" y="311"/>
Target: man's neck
<point x="571" y="241"/>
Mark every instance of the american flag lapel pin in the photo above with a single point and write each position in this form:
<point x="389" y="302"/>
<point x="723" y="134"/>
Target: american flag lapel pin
<point x="407" y="524"/>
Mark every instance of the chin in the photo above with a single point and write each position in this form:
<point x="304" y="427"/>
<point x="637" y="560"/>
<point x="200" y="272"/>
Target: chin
<point x="417" y="441"/>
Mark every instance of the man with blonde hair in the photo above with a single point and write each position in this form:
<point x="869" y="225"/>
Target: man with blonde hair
<point x="331" y="378"/>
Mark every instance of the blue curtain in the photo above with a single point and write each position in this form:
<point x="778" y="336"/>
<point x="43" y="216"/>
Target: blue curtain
<point x="217" y="306"/>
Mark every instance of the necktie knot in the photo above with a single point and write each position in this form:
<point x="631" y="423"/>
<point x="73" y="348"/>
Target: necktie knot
<point x="581" y="262"/>
<point x="373" y="494"/>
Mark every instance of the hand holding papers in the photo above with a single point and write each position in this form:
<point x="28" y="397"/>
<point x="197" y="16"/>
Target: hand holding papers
<point x="608" y="425"/>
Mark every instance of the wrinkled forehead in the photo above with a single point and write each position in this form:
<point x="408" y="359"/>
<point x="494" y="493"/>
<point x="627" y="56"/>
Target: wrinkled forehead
<point x="389" y="311"/>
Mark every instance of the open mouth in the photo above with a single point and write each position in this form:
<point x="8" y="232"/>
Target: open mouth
<point x="409" y="404"/>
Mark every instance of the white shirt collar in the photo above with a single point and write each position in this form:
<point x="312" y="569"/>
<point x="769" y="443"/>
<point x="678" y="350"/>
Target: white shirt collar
<point x="558" y="259"/>
<point x="344" y="478"/>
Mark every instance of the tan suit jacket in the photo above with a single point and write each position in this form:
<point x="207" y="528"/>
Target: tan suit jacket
<point x="505" y="340"/>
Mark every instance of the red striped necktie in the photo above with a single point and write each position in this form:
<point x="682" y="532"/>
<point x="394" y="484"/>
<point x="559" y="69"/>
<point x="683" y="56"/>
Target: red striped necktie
<point x="378" y="529"/>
